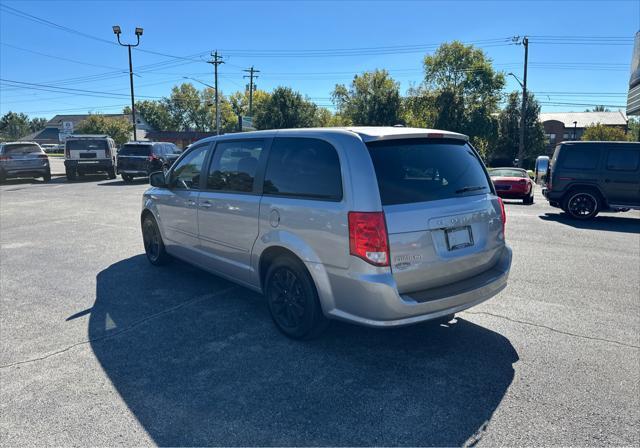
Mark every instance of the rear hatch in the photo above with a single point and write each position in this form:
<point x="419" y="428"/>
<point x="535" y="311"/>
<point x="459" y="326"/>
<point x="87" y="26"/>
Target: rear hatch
<point x="87" y="149"/>
<point x="443" y="220"/>
<point x="134" y="157"/>
<point x="23" y="156"/>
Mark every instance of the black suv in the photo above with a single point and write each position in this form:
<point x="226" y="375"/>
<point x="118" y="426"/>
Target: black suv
<point x="139" y="159"/>
<point x="588" y="177"/>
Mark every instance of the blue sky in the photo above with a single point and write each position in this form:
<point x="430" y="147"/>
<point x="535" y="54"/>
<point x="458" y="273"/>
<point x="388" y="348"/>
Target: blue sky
<point x="309" y="46"/>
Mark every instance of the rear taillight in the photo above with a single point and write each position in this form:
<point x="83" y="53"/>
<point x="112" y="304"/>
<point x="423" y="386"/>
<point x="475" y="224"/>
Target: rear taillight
<point x="368" y="237"/>
<point x="67" y="153"/>
<point x="4" y="158"/>
<point x="523" y="181"/>
<point x="503" y="215"/>
<point x="107" y="153"/>
<point x="153" y="157"/>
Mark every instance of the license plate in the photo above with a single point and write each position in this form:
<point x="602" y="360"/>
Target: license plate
<point x="459" y="237"/>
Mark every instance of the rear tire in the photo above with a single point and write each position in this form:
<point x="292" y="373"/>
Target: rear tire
<point x="127" y="178"/>
<point x="47" y="176"/>
<point x="153" y="245"/>
<point x="582" y="204"/>
<point x="528" y="199"/>
<point x="71" y="174"/>
<point x="293" y="300"/>
<point x="111" y="173"/>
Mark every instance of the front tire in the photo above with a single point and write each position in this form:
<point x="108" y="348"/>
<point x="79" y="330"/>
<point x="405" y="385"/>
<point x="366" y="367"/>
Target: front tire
<point x="153" y="245"/>
<point x="293" y="300"/>
<point x="582" y="204"/>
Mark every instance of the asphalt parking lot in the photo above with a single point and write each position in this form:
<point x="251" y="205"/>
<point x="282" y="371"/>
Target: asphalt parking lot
<point x="101" y="348"/>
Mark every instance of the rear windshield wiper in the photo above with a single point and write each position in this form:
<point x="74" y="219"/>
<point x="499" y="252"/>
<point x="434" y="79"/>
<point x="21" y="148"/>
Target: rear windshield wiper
<point x="465" y="189"/>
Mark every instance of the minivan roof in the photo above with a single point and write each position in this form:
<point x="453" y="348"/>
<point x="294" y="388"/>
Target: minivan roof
<point x="366" y="133"/>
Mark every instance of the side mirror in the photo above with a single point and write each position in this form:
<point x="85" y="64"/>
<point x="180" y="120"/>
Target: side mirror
<point x="158" y="179"/>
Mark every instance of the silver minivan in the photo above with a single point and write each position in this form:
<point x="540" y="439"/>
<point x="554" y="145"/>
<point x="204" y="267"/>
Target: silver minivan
<point x="379" y="226"/>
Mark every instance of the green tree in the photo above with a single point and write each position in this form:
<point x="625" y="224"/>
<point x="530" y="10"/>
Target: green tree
<point x="598" y="109"/>
<point x="285" y="109"/>
<point x="460" y="92"/>
<point x="38" y="124"/>
<point x="155" y="113"/>
<point x="373" y="99"/>
<point x="119" y="129"/>
<point x="601" y="132"/>
<point x="14" y="126"/>
<point x="506" y="149"/>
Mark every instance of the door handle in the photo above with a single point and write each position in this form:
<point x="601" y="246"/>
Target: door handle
<point x="205" y="204"/>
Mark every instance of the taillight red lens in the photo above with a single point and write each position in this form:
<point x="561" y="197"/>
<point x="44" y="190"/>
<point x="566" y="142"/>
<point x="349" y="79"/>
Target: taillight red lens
<point x="368" y="237"/>
<point x="153" y="157"/>
<point x="503" y="215"/>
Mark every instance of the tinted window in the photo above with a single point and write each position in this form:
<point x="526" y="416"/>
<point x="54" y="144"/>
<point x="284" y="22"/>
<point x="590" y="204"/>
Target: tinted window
<point x="87" y="145"/>
<point x="20" y="149"/>
<point x="186" y="174"/>
<point x="623" y="160"/>
<point x="419" y="170"/>
<point x="234" y="166"/>
<point x="580" y="158"/>
<point x="135" y="150"/>
<point x="173" y="149"/>
<point x="303" y="167"/>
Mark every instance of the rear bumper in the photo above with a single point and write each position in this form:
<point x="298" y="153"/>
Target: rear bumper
<point x="25" y="171"/>
<point x="373" y="300"/>
<point x="90" y="165"/>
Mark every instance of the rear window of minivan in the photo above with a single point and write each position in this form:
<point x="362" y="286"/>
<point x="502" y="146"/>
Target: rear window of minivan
<point x="420" y="170"/>
<point x="135" y="150"/>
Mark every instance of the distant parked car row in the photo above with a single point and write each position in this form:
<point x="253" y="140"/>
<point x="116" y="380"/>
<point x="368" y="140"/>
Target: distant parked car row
<point x="87" y="154"/>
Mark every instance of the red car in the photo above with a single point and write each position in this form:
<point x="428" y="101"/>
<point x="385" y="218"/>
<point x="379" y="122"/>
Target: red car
<point x="512" y="183"/>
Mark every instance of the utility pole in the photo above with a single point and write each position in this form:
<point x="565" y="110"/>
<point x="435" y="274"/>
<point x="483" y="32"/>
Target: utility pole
<point x="252" y="75"/>
<point x="217" y="60"/>
<point x="117" y="31"/>
<point x="521" y="152"/>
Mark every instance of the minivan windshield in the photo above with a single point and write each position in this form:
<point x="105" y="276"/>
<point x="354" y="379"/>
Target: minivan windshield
<point x="86" y="145"/>
<point x="135" y="150"/>
<point x="507" y="172"/>
<point x="420" y="170"/>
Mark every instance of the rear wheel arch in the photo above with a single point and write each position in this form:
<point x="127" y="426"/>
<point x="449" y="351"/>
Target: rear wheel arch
<point x="573" y="188"/>
<point x="269" y="255"/>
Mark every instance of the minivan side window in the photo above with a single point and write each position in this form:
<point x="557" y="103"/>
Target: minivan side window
<point x="623" y="160"/>
<point x="580" y="158"/>
<point x="305" y="168"/>
<point x="186" y="174"/>
<point x="234" y="166"/>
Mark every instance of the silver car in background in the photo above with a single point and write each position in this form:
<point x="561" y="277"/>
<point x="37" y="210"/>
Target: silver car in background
<point x="379" y="226"/>
<point x="23" y="159"/>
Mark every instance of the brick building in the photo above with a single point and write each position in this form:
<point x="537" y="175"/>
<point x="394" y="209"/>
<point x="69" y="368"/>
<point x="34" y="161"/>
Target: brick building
<point x="562" y="126"/>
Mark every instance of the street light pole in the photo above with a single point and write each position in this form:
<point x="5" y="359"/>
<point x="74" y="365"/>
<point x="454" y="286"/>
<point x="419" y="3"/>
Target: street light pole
<point x="117" y="32"/>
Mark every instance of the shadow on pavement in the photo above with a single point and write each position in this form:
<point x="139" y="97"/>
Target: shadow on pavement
<point x="121" y="183"/>
<point x="213" y="370"/>
<point x="607" y="223"/>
